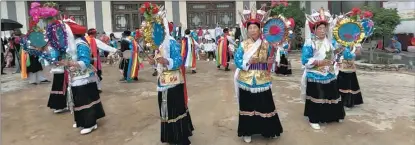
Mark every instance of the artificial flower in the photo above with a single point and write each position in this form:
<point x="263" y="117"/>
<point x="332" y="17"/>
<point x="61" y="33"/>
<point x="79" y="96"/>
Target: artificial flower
<point x="355" y="11"/>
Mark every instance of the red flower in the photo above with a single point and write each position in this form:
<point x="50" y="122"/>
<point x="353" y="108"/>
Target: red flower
<point x="284" y="2"/>
<point x="154" y="5"/>
<point x="367" y="14"/>
<point x="142" y="9"/>
<point x="155" y="10"/>
<point x="355" y="11"/>
<point x="147" y="4"/>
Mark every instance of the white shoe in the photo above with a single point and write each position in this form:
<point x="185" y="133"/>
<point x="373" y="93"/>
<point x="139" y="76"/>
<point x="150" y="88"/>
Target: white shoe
<point x="347" y="108"/>
<point x="341" y="120"/>
<point x="74" y="125"/>
<point x="60" y="110"/>
<point x="89" y="130"/>
<point x="315" y="126"/>
<point x="207" y="59"/>
<point x="247" y="139"/>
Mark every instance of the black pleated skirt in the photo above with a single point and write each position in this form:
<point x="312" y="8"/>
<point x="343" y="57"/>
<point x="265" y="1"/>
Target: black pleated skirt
<point x="34" y="66"/>
<point x="178" y="127"/>
<point x="88" y="107"/>
<point x="57" y="97"/>
<point x="257" y="114"/>
<point x="349" y="89"/>
<point x="323" y="103"/>
<point x="285" y="66"/>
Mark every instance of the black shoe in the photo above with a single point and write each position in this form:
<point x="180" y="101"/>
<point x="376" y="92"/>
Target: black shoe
<point x="33" y="83"/>
<point x="219" y="67"/>
<point x="135" y="79"/>
<point x="155" y="73"/>
<point x="100" y="91"/>
<point x="227" y="69"/>
<point x="45" y="81"/>
<point x="122" y="80"/>
<point x="193" y="71"/>
<point x="3" y="73"/>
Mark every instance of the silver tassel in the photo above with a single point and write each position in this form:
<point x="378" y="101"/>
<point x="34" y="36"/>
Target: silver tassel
<point x="163" y="108"/>
<point x="69" y="96"/>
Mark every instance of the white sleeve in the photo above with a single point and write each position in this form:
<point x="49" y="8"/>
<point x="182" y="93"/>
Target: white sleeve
<point x="101" y="45"/>
<point x="231" y="40"/>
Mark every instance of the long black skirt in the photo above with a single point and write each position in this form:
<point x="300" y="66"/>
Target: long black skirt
<point x="285" y="66"/>
<point x="34" y="66"/>
<point x="88" y="107"/>
<point x="323" y="103"/>
<point x="349" y="89"/>
<point x="258" y="115"/>
<point x="57" y="97"/>
<point x="178" y="127"/>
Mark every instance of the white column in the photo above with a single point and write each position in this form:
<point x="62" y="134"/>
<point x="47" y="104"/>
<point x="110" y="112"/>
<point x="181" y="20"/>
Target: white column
<point x="316" y="5"/>
<point x="183" y="14"/>
<point x="302" y="4"/>
<point x="107" y="16"/>
<point x="90" y="14"/>
<point x="4" y="13"/>
<point x="168" y="5"/>
<point x="239" y="8"/>
<point x="252" y="3"/>
<point x="21" y="14"/>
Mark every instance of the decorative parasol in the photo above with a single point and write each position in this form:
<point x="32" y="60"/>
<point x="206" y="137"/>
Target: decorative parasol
<point x="368" y="27"/>
<point x="348" y="32"/>
<point x="276" y="30"/>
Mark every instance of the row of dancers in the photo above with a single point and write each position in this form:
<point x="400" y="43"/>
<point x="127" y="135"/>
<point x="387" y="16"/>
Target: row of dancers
<point x="324" y="91"/>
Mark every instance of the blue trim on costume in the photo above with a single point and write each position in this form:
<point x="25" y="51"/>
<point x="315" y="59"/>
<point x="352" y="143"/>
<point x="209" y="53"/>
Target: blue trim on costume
<point x="84" y="54"/>
<point x="175" y="54"/>
<point x="347" y="54"/>
<point x="239" y="57"/>
<point x="307" y="53"/>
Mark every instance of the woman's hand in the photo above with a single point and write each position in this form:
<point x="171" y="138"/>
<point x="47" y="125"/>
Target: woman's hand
<point x="162" y="61"/>
<point x="151" y="61"/>
<point x="270" y="60"/>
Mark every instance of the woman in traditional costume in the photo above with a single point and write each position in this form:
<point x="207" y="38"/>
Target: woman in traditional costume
<point x="319" y="86"/>
<point x="223" y="53"/>
<point x="176" y="124"/>
<point x="348" y="84"/>
<point x="257" y="112"/>
<point x="87" y="105"/>
<point x="283" y="65"/>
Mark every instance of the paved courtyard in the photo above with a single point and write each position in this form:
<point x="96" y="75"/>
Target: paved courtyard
<point x="132" y="117"/>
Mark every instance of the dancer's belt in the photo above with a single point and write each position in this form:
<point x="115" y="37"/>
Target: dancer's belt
<point x="258" y="66"/>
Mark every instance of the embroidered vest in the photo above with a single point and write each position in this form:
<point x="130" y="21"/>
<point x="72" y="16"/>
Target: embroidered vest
<point x="258" y="71"/>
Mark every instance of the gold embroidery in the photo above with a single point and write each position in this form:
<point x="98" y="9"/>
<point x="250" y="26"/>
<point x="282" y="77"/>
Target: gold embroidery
<point x="168" y="78"/>
<point x="261" y="76"/>
<point x="175" y="119"/>
<point x="347" y="65"/>
<point x="263" y="115"/>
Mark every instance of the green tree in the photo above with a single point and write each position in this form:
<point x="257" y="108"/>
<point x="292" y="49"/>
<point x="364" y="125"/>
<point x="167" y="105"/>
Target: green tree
<point x="294" y="11"/>
<point x="385" y="21"/>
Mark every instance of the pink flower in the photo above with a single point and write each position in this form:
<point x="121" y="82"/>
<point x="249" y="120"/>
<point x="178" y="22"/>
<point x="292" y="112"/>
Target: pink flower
<point x="274" y="3"/>
<point x="34" y="5"/>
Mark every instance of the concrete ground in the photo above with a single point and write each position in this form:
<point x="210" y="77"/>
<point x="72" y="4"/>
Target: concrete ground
<point x="386" y="118"/>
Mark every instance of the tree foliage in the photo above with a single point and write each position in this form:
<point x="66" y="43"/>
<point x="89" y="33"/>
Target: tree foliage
<point x="385" y="21"/>
<point x="294" y="11"/>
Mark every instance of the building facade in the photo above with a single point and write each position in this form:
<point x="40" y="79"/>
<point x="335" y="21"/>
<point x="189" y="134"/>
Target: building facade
<point x="117" y="16"/>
